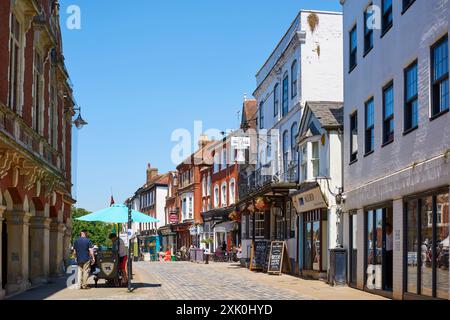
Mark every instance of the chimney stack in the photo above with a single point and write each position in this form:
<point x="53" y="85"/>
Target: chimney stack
<point x="203" y="141"/>
<point x="151" y="172"/>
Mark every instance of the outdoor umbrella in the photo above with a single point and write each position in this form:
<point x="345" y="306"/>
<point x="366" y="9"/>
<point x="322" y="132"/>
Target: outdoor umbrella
<point x="117" y="213"/>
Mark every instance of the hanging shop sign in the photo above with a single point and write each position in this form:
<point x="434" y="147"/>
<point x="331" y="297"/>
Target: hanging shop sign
<point x="173" y="218"/>
<point x="309" y="200"/>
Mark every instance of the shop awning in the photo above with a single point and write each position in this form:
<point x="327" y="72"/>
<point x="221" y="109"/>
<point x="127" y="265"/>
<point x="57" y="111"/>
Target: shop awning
<point x="219" y="214"/>
<point x="226" y="226"/>
<point x="309" y="197"/>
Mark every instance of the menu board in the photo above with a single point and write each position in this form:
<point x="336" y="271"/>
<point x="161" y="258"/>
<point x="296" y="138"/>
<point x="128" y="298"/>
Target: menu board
<point x="276" y="256"/>
<point x="258" y="255"/>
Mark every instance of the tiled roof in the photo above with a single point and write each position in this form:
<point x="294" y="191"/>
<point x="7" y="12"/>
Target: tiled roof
<point x="330" y="114"/>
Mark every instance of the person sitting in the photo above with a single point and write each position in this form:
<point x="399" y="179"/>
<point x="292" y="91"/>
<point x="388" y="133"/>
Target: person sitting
<point x="119" y="248"/>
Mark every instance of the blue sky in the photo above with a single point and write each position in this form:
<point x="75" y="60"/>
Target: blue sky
<point x="144" y="68"/>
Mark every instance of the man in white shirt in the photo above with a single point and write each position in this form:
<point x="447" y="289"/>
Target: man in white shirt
<point x="389" y="256"/>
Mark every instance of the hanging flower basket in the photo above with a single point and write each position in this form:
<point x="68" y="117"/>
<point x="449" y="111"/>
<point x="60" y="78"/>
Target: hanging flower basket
<point x="251" y="208"/>
<point x="260" y="204"/>
<point x="235" y="216"/>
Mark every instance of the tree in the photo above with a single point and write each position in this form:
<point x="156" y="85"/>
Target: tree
<point x="98" y="232"/>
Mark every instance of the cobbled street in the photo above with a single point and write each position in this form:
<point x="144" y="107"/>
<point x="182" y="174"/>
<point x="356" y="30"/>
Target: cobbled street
<point x="191" y="281"/>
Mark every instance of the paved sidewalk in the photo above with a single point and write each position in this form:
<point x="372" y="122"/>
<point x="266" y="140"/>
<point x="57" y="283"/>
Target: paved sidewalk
<point x="191" y="281"/>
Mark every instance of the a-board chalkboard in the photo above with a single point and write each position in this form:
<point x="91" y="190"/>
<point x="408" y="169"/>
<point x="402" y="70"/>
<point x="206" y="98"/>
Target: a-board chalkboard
<point x="276" y="257"/>
<point x="258" y="255"/>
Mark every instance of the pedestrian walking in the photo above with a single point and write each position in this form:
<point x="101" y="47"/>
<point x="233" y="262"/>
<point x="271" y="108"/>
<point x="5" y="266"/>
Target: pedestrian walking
<point x="85" y="257"/>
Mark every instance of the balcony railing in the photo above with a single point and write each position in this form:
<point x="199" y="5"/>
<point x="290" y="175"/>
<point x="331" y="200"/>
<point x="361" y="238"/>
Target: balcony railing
<point x="14" y="127"/>
<point x="263" y="176"/>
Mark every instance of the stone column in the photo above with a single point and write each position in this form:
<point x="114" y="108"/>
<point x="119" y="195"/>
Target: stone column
<point x="56" y="247"/>
<point x="39" y="249"/>
<point x="2" y="292"/>
<point x="18" y="255"/>
<point x="67" y="244"/>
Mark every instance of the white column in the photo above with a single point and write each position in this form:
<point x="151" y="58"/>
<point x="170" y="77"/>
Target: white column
<point x="18" y="255"/>
<point x="39" y="249"/>
<point x="360" y="272"/>
<point x="398" y="249"/>
<point x="2" y="292"/>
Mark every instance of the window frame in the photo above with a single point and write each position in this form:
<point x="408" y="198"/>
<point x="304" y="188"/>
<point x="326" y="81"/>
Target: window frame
<point x="285" y="96"/>
<point x="286" y="148"/>
<point x="443" y="78"/>
<point x="261" y="115"/>
<point x="353" y="52"/>
<point x="408" y="102"/>
<point x="406" y="4"/>
<point x="294" y="79"/>
<point x="354" y="132"/>
<point x="367" y="128"/>
<point x="386" y="27"/>
<point x="276" y="100"/>
<point x="390" y="85"/>
<point x="368" y="32"/>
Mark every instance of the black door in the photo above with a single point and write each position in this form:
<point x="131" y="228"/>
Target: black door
<point x="4" y="254"/>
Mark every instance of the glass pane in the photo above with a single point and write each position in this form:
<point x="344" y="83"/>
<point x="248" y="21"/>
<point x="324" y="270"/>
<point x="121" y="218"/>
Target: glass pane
<point x="426" y="246"/>
<point x="388" y="102"/>
<point x="354" y="252"/>
<point x="442" y="246"/>
<point x="316" y="246"/>
<point x="412" y="246"/>
<point x="411" y="82"/>
<point x="371" y="263"/>
<point x="441" y="60"/>
<point x="308" y="247"/>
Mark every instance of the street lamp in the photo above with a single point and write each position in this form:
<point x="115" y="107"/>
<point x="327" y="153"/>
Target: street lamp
<point x="79" y="121"/>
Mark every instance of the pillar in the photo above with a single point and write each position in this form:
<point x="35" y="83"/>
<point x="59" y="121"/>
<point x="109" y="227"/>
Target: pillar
<point x="18" y="251"/>
<point x="397" y="228"/>
<point x="67" y="245"/>
<point x="39" y="249"/>
<point x="56" y="247"/>
<point x="360" y="272"/>
<point x="2" y="292"/>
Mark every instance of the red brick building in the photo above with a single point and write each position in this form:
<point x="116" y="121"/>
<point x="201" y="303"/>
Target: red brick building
<point x="219" y="195"/>
<point x="190" y="196"/>
<point x="36" y="111"/>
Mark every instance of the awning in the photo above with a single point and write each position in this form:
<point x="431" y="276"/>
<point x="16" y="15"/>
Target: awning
<point x="219" y="214"/>
<point x="226" y="226"/>
<point x="309" y="197"/>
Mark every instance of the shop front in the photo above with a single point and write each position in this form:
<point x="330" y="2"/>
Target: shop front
<point x="313" y="226"/>
<point x="209" y="237"/>
<point x="183" y="235"/>
<point x="426" y="257"/>
<point x="168" y="239"/>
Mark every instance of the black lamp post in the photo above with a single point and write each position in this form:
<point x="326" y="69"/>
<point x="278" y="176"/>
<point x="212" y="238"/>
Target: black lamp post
<point x="130" y="221"/>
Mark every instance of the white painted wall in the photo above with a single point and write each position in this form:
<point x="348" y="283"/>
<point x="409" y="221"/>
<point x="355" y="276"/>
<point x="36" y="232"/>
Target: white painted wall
<point x="319" y="77"/>
<point x="412" y="34"/>
<point x="161" y="194"/>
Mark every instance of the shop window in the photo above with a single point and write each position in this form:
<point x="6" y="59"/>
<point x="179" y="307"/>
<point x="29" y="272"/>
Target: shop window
<point x="313" y="241"/>
<point x="427" y="243"/>
<point x="259" y="225"/>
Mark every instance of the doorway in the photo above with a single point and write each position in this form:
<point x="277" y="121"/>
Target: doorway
<point x="353" y="250"/>
<point x="4" y="254"/>
<point x="379" y="249"/>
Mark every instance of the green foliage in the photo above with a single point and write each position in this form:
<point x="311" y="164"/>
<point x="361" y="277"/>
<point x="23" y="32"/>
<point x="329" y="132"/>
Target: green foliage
<point x="98" y="232"/>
